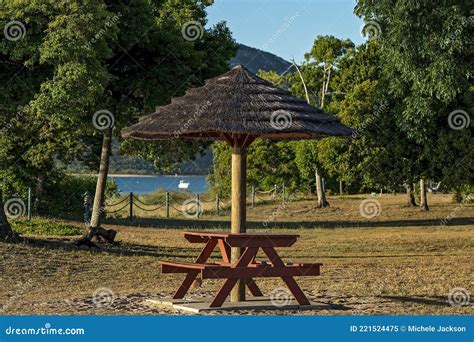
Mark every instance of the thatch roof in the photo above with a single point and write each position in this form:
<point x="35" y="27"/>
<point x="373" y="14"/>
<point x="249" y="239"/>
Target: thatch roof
<point x="236" y="102"/>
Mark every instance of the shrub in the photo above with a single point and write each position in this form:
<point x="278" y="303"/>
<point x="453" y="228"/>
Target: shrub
<point x="41" y="226"/>
<point x="65" y="198"/>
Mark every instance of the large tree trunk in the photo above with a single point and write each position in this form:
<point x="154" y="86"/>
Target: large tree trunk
<point x="410" y="195"/>
<point x="322" y="202"/>
<point x="423" y="197"/>
<point x="6" y="232"/>
<point x="99" y="199"/>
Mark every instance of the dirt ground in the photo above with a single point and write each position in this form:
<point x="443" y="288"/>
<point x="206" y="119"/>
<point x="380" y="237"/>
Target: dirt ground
<point x="400" y="262"/>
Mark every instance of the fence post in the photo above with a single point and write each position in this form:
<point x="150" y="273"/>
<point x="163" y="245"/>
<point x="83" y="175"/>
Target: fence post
<point x="217" y="204"/>
<point x="130" y="212"/>
<point x="252" y="196"/>
<point x="197" y="206"/>
<point x="283" y="191"/>
<point x="167" y="203"/>
<point x="29" y="203"/>
<point x="87" y="207"/>
<point x="274" y="191"/>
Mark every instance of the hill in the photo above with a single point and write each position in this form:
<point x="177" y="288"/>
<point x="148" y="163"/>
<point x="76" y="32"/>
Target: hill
<point x="255" y="60"/>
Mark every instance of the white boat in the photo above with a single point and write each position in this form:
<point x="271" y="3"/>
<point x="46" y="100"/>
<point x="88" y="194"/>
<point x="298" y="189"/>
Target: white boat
<point x="183" y="184"/>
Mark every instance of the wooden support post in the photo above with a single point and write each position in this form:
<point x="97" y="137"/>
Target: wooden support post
<point x="217" y="205"/>
<point x="239" y="160"/>
<point x="130" y="210"/>
<point x="198" y="209"/>
<point x="29" y="204"/>
<point x="283" y="192"/>
<point x="167" y="203"/>
<point x="252" y="196"/>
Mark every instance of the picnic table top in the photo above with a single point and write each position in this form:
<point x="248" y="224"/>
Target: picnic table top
<point x="244" y="239"/>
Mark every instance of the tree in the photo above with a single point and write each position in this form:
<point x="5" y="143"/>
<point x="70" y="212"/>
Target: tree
<point x="327" y="52"/>
<point x="427" y="69"/>
<point x="150" y="77"/>
<point x="51" y="83"/>
<point x="321" y="61"/>
<point x="6" y="232"/>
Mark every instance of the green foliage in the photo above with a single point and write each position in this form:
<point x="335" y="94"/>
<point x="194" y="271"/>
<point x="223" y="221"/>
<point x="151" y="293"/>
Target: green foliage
<point x="268" y="163"/>
<point x="328" y="49"/>
<point x="427" y="57"/>
<point x="46" y="227"/>
<point x="64" y="197"/>
<point x="78" y="57"/>
<point x="426" y="72"/>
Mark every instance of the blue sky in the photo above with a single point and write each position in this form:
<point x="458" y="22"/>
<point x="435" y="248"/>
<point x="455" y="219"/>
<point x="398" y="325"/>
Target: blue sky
<point x="286" y="28"/>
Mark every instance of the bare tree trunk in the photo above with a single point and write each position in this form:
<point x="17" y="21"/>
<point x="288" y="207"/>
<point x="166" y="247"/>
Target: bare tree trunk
<point x="341" y="187"/>
<point x="322" y="202"/>
<point x="423" y="197"/>
<point x="39" y="189"/>
<point x="410" y="195"/>
<point x="101" y="179"/>
<point x="6" y="232"/>
<point x="323" y="91"/>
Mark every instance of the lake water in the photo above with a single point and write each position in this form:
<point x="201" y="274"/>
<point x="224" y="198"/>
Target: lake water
<point x="145" y="184"/>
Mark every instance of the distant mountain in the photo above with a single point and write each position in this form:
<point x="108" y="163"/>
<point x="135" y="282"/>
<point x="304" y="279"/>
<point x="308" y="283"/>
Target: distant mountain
<point x="255" y="60"/>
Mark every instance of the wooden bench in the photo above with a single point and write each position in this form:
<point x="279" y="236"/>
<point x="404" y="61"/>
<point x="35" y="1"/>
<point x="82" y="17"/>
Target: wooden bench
<point x="246" y="268"/>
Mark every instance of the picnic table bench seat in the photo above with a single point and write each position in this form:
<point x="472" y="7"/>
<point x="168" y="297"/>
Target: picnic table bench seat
<point x="246" y="268"/>
<point x="220" y="270"/>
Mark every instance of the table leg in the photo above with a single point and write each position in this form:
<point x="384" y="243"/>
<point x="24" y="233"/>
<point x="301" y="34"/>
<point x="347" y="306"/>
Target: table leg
<point x="225" y="250"/>
<point x="186" y="284"/>
<point x="289" y="281"/>
<point x="229" y="284"/>
<point x="191" y="276"/>
<point x="254" y="289"/>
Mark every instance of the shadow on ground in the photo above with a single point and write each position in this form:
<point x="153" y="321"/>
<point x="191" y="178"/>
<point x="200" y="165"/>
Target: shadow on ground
<point x="123" y="249"/>
<point x="436" y="300"/>
<point x="221" y="224"/>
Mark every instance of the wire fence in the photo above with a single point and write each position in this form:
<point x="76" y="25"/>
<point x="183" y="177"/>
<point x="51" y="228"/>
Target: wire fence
<point x="173" y="205"/>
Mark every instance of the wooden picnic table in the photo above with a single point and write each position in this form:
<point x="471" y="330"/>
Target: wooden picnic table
<point x="246" y="268"/>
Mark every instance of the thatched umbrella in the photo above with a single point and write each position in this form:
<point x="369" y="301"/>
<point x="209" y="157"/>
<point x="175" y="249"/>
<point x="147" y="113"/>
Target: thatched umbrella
<point x="237" y="107"/>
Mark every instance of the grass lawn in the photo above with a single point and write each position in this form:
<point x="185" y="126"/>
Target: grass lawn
<point x="402" y="261"/>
